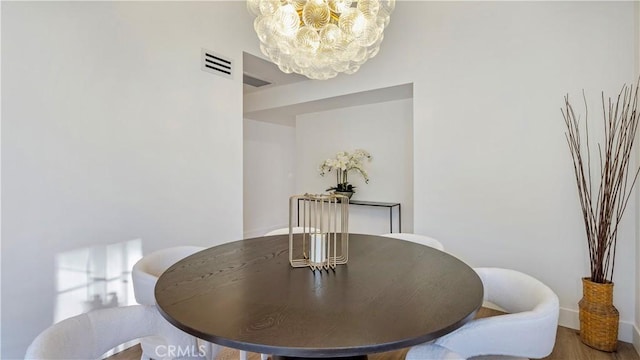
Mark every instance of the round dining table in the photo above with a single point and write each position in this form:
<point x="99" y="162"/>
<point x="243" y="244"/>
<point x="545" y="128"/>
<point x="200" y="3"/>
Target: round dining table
<point x="391" y="294"/>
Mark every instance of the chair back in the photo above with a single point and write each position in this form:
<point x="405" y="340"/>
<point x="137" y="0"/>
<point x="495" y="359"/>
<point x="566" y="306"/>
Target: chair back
<point x="90" y="335"/>
<point x="528" y="330"/>
<point x="515" y="292"/>
<point x="418" y="239"/>
<point x="285" y="231"/>
<point x="146" y="271"/>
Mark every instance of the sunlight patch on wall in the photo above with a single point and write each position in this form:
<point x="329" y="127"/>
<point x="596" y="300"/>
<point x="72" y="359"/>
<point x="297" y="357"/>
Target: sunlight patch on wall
<point x="95" y="277"/>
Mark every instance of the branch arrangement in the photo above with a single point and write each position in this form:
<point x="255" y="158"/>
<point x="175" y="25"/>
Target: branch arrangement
<point x="604" y="200"/>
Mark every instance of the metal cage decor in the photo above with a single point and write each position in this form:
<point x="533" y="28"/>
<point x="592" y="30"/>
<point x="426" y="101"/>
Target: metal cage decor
<point x="322" y="240"/>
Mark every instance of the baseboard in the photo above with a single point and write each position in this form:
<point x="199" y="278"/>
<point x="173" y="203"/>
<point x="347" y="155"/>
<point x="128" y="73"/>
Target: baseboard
<point x="627" y="332"/>
<point x="570" y="318"/>
<point x="636" y="339"/>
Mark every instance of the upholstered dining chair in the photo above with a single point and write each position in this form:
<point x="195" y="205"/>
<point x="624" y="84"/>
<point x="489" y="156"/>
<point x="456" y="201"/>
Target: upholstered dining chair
<point x="418" y="239"/>
<point x="147" y="270"/>
<point x="527" y="331"/>
<point x="285" y="231"/>
<point x="145" y="274"/>
<point x="90" y="335"/>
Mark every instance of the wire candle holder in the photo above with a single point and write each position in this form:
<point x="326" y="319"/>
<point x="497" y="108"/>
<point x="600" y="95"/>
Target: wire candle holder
<point x="323" y="242"/>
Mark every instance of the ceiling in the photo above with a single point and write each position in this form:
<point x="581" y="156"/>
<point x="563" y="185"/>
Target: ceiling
<point x="286" y="115"/>
<point x="258" y="70"/>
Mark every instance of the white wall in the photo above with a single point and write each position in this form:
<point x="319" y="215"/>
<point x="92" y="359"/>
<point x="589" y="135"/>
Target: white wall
<point x="269" y="176"/>
<point x="507" y="186"/>
<point x="0" y="191"/>
<point x="636" y="334"/>
<point x="492" y="172"/>
<point x="111" y="132"/>
<point x="383" y="129"/>
<point x="116" y="136"/>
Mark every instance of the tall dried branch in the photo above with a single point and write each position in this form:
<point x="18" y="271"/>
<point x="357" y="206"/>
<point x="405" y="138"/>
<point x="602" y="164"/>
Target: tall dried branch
<point x="602" y="210"/>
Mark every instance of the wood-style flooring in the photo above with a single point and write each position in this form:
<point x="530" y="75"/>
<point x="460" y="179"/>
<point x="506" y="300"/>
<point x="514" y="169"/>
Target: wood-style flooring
<point x="568" y="347"/>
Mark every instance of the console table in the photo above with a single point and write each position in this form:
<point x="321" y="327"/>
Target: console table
<point x="389" y="205"/>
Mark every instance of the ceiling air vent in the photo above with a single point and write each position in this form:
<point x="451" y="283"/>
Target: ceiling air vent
<point x="254" y="81"/>
<point x="217" y="64"/>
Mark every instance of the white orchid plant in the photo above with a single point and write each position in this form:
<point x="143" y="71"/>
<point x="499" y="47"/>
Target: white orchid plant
<point x="343" y="163"/>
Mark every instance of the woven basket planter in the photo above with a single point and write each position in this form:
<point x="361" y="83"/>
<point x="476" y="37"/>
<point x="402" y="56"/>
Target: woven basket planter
<point x="598" y="317"/>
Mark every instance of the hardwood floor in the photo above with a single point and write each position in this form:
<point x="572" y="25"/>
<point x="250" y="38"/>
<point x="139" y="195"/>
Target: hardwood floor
<point x="568" y="347"/>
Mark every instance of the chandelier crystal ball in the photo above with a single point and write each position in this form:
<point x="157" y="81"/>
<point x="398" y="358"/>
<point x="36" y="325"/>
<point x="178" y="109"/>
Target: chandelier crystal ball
<point x="320" y="38"/>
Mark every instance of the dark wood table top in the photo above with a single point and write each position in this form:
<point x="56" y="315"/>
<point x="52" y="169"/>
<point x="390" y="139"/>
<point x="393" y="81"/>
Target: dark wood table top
<point x="391" y="294"/>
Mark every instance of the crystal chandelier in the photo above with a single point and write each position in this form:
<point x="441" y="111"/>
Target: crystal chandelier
<point x="320" y="38"/>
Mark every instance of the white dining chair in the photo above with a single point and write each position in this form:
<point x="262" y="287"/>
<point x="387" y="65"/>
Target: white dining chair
<point x="147" y="270"/>
<point x="92" y="334"/>
<point x="418" y="239"/>
<point x="145" y="274"/>
<point x="528" y="330"/>
<point x="285" y="231"/>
